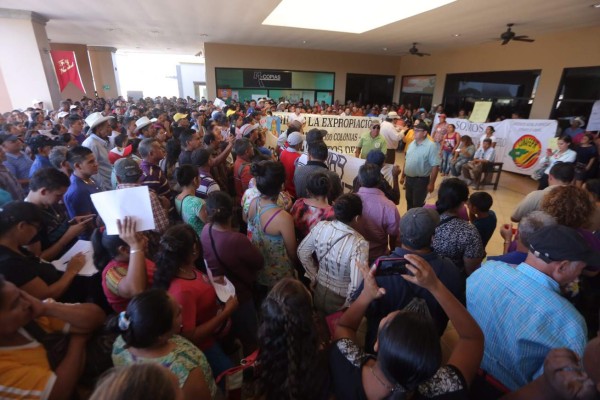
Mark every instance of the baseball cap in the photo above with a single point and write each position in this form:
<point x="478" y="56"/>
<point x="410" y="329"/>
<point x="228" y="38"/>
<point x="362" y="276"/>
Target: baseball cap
<point x="127" y="168"/>
<point x="9" y="138"/>
<point x="116" y="154"/>
<point x="417" y="227"/>
<point x="179" y="116"/>
<point x="559" y="243"/>
<point x="295" y="138"/>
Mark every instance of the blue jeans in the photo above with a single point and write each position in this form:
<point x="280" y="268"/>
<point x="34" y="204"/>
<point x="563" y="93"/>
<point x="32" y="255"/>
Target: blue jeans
<point x="456" y="168"/>
<point x="217" y="359"/>
<point x="445" y="167"/>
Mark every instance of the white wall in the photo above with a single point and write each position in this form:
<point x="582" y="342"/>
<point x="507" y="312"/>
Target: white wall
<point x="187" y="74"/>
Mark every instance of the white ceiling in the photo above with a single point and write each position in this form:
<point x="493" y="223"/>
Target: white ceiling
<point x="178" y="26"/>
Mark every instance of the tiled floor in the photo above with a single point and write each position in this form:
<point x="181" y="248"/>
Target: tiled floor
<point x="511" y="190"/>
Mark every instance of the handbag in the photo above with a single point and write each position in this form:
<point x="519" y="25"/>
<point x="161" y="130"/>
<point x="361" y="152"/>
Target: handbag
<point x="234" y="377"/>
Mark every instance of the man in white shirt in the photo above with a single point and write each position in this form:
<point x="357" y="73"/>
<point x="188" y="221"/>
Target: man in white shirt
<point x="392" y="136"/>
<point x="297" y="116"/>
<point x="98" y="143"/>
<point x="473" y="170"/>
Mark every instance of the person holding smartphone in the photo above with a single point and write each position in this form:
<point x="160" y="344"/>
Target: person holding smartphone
<point x="417" y="227"/>
<point x="57" y="232"/>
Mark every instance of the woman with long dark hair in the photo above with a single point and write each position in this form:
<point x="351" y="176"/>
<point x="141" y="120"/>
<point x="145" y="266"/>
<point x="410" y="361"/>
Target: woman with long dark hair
<point x="121" y="259"/>
<point x="149" y="333"/>
<point x="308" y="212"/>
<point x="289" y="359"/>
<point x="408" y="364"/>
<point x="270" y="228"/>
<point x="203" y="319"/>
<point x="229" y="253"/>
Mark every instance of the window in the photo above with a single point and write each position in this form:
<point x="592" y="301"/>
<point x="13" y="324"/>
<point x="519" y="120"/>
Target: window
<point x="370" y="89"/>
<point x="509" y="91"/>
<point x="578" y="89"/>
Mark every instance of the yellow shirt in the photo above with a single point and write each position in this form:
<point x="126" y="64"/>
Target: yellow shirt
<point x="410" y="137"/>
<point x="24" y="370"/>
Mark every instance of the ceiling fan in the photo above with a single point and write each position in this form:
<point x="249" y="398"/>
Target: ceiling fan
<point x="415" y="52"/>
<point x="510" y="35"/>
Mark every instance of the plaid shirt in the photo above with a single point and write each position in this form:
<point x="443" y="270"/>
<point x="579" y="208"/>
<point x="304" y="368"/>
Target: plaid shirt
<point x="523" y="316"/>
<point x="161" y="218"/>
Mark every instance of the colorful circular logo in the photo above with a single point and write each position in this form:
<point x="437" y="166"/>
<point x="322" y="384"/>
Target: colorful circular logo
<point x="526" y="151"/>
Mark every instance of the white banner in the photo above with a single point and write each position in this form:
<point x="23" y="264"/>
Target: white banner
<point x="342" y="132"/>
<point x="346" y="166"/>
<point x="520" y="142"/>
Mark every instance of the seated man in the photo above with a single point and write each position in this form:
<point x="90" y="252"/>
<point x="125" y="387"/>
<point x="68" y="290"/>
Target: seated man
<point x="521" y="310"/>
<point x="380" y="217"/>
<point x="417" y="227"/>
<point x="128" y="175"/>
<point x="57" y="233"/>
<point x="391" y="192"/>
<point x="473" y="170"/>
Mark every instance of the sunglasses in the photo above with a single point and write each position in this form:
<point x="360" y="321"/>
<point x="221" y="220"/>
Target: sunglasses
<point x="375" y="127"/>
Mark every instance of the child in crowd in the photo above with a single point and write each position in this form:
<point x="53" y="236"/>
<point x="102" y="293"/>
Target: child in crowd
<point x="481" y="216"/>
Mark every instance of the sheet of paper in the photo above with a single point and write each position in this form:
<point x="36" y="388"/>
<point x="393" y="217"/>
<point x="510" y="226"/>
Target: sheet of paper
<point x="81" y="246"/>
<point x="219" y="103"/>
<point x="129" y="202"/>
<point x="480" y="112"/>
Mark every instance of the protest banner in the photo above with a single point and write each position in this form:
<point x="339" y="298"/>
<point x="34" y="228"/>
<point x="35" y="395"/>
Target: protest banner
<point x="342" y="132"/>
<point x="345" y="165"/>
<point x="520" y="142"/>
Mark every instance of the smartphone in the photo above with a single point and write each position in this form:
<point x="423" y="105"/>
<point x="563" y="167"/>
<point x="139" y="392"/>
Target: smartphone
<point x="391" y="266"/>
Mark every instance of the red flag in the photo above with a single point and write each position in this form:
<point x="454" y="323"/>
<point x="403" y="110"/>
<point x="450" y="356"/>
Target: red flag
<point x="66" y="69"/>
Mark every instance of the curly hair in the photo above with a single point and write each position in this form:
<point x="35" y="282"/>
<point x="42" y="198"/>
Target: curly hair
<point x="570" y="205"/>
<point x="289" y="345"/>
<point x="175" y="248"/>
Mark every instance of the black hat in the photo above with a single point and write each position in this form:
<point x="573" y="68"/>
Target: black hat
<point x="558" y="243"/>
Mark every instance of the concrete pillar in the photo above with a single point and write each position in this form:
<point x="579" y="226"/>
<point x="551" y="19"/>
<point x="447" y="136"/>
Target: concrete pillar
<point x="104" y="70"/>
<point x="25" y="63"/>
<point x="85" y="71"/>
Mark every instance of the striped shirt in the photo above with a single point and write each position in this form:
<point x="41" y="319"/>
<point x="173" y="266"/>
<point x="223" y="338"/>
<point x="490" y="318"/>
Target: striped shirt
<point x="339" y="248"/>
<point x="155" y="179"/>
<point x="207" y="185"/>
<point x="523" y="316"/>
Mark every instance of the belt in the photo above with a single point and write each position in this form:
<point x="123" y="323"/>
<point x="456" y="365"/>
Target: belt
<point x="418" y="177"/>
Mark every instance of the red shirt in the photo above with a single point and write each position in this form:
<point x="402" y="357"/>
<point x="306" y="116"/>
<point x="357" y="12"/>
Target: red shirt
<point x="288" y="159"/>
<point x="198" y="301"/>
<point x="241" y="177"/>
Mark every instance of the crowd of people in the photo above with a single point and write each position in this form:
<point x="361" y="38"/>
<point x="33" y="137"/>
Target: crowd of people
<point x="255" y="255"/>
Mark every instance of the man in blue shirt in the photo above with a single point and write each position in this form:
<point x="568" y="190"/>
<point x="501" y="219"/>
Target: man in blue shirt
<point x="17" y="161"/>
<point x="521" y="310"/>
<point x="78" y="199"/>
<point x="421" y="168"/>
<point x="417" y="227"/>
<point x="40" y="146"/>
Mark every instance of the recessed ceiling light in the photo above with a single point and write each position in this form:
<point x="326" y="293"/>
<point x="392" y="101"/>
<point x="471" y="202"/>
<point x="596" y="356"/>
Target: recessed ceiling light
<point x="456" y="35"/>
<point x="384" y="49"/>
<point x="596" y="5"/>
<point x="346" y="19"/>
<point x="304" y="42"/>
